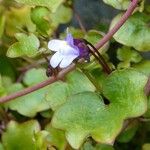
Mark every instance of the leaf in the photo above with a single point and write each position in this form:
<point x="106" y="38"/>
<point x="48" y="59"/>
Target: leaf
<point x="131" y="32"/>
<point x="40" y="16"/>
<point x="2" y="89"/>
<point x="124" y="4"/>
<point x="26" y="46"/>
<point x="125" y="89"/>
<point x="56" y="137"/>
<point x="34" y="102"/>
<point x="129" y="55"/>
<point x="20" y="136"/>
<point x="143" y="66"/>
<point x="51" y="4"/>
<point x="18" y="19"/>
<point x="34" y="76"/>
<point x="76" y="82"/>
<point x="121" y="4"/>
<point x="85" y="114"/>
<point x="61" y="16"/>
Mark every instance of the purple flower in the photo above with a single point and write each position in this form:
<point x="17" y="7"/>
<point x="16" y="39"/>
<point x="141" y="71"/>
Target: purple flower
<point x="67" y="50"/>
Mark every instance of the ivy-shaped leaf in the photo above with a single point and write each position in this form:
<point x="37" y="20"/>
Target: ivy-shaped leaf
<point x="51" y="4"/>
<point x="85" y="114"/>
<point x="20" y="136"/>
<point x="131" y="33"/>
<point x="40" y="16"/>
<point x="27" y="45"/>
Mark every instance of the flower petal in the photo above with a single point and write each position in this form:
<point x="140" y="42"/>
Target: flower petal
<point x="56" y="59"/>
<point x="67" y="60"/>
<point x="56" y="45"/>
<point x="69" y="39"/>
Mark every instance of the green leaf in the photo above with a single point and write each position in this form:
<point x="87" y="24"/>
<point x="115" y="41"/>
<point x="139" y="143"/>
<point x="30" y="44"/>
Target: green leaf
<point x="34" y="102"/>
<point x="76" y="82"/>
<point x="125" y="88"/>
<point x="143" y="67"/>
<point x="56" y="137"/>
<point x="51" y="4"/>
<point x="129" y="55"/>
<point x="18" y="19"/>
<point x="40" y="16"/>
<point x="124" y="4"/>
<point x="26" y="46"/>
<point x="61" y="16"/>
<point x="34" y="76"/>
<point x="20" y="136"/>
<point x="131" y="33"/>
<point x="85" y="114"/>
<point x="121" y="4"/>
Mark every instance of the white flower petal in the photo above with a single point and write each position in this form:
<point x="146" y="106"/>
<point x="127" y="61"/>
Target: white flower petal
<point x="67" y="60"/>
<point x="56" y="45"/>
<point x="56" y="59"/>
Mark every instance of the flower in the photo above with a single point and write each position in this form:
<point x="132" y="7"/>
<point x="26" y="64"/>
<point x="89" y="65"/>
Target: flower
<point x="67" y="50"/>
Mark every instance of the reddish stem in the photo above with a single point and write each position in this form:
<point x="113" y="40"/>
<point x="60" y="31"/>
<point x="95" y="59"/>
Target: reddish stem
<point x="105" y="39"/>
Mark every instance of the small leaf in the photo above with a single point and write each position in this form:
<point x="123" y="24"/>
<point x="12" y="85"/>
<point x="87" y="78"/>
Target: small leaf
<point x="130" y="34"/>
<point x="129" y="55"/>
<point x="26" y="46"/>
<point x="20" y="136"/>
<point x="40" y="16"/>
<point x="61" y="16"/>
<point x="56" y="137"/>
<point x="124" y="4"/>
<point x="51" y="4"/>
<point x="143" y="67"/>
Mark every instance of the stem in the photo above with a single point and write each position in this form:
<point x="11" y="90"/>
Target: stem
<point x="37" y="86"/>
<point x="123" y="19"/>
<point x="72" y="66"/>
<point x="100" y="59"/>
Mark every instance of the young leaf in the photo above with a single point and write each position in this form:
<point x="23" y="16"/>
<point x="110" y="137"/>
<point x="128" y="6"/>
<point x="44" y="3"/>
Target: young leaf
<point x="20" y="136"/>
<point x="51" y="4"/>
<point x="56" y="137"/>
<point x="26" y="46"/>
<point x="131" y="33"/>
